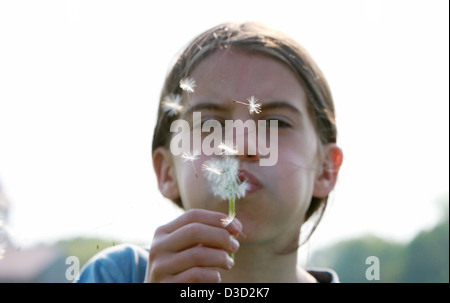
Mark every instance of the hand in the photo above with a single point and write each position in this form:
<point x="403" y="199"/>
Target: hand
<point x="192" y="248"/>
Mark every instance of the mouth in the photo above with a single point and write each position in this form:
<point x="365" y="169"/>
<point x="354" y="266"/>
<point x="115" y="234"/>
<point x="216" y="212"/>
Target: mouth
<point x="253" y="182"/>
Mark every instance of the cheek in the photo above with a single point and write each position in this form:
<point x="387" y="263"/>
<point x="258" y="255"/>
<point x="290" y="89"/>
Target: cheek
<point x="296" y="161"/>
<point x="294" y="176"/>
<point x="281" y="209"/>
<point x="193" y="186"/>
<point x="189" y="184"/>
<point x="295" y="184"/>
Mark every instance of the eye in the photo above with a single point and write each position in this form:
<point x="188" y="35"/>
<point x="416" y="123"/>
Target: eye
<point x="282" y="123"/>
<point x="210" y="124"/>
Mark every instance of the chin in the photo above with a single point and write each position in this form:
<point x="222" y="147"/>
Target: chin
<point x="253" y="230"/>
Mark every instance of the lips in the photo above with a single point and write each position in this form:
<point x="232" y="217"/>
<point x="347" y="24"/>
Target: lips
<point x="252" y="181"/>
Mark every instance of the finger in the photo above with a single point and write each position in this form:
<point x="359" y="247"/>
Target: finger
<point x="195" y="215"/>
<point x="196" y="275"/>
<point x="235" y="227"/>
<point x="196" y="233"/>
<point x="207" y="217"/>
<point x="198" y="256"/>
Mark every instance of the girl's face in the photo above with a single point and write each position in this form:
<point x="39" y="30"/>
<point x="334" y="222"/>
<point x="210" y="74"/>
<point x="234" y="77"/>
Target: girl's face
<point x="274" y="208"/>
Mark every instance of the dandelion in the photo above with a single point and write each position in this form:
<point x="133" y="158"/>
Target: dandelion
<point x="172" y="104"/>
<point x="188" y="85"/>
<point x="191" y="158"/>
<point x="253" y="105"/>
<point x="222" y="175"/>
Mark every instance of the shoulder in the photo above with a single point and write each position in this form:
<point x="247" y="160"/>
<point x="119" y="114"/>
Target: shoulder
<point x="125" y="263"/>
<point x="324" y="275"/>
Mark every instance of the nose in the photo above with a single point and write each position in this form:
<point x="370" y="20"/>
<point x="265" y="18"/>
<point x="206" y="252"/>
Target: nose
<point x="248" y="158"/>
<point x="246" y="144"/>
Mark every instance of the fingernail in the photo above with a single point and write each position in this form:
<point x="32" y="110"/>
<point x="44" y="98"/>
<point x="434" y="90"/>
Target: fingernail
<point x="235" y="227"/>
<point x="238" y="224"/>
<point x="234" y="244"/>
<point x="230" y="262"/>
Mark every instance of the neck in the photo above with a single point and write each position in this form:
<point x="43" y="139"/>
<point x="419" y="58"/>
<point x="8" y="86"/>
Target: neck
<point x="258" y="263"/>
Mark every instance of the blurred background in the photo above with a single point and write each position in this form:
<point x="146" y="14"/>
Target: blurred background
<point x="79" y="90"/>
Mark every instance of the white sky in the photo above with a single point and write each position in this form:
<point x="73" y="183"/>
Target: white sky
<point x="79" y="89"/>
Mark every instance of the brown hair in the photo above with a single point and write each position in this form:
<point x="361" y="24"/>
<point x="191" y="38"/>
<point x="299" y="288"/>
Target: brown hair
<point x="252" y="36"/>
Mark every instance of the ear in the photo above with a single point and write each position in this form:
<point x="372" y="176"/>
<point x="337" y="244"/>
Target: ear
<point x="165" y="173"/>
<point x="327" y="176"/>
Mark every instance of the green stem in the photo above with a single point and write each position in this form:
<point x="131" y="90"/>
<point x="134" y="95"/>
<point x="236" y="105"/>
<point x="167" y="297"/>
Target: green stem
<point x="232" y="213"/>
<point x="231" y="207"/>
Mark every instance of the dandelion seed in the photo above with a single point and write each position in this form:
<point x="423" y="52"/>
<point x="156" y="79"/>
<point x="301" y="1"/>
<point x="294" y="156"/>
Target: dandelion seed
<point x="227" y="221"/>
<point x="187" y="157"/>
<point x="188" y="85"/>
<point x="172" y="104"/>
<point x="253" y="105"/>
<point x="211" y="170"/>
<point x="227" y="149"/>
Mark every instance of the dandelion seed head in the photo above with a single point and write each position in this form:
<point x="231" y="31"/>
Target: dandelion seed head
<point x="222" y="175"/>
<point x="172" y="104"/>
<point x="188" y="84"/>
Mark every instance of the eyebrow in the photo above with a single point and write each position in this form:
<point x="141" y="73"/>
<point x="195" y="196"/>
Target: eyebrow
<point x="205" y="106"/>
<point x="278" y="105"/>
<point x="264" y="106"/>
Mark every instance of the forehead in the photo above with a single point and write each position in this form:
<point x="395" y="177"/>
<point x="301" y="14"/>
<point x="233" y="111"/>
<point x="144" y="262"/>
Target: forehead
<point x="242" y="73"/>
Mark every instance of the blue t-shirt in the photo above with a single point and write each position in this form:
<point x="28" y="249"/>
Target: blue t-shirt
<point x="127" y="263"/>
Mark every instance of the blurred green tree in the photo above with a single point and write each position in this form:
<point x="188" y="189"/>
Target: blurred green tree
<point x="84" y="248"/>
<point x="424" y="259"/>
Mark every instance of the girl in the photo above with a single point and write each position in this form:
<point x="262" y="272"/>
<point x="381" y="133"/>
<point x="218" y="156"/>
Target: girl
<point x="237" y="72"/>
